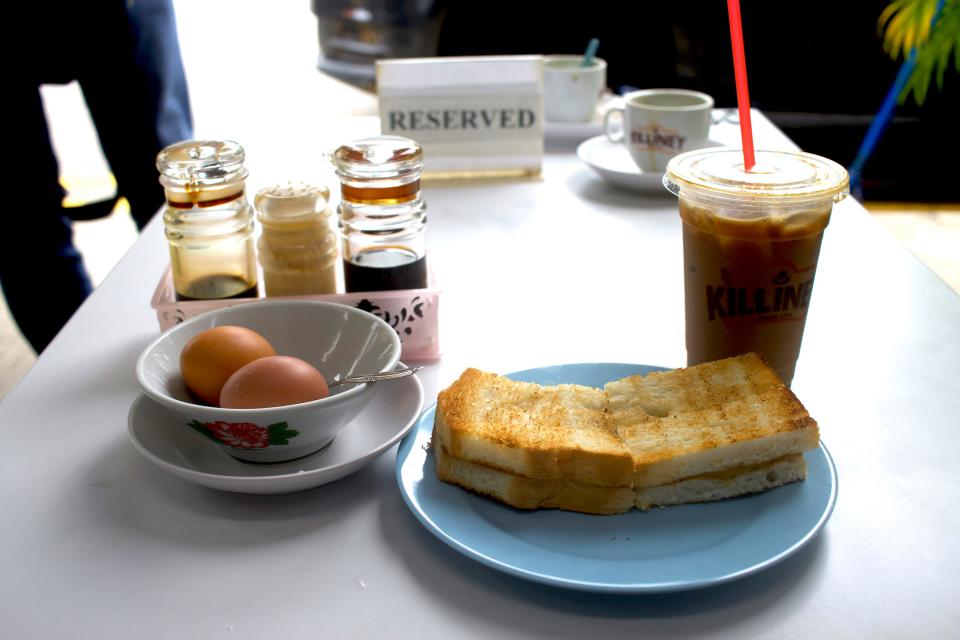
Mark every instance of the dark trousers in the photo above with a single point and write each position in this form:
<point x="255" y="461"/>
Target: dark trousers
<point x="126" y="58"/>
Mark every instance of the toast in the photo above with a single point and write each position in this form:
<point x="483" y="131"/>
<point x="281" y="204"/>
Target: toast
<point x="706" y="418"/>
<point x="543" y="433"/>
<point x="639" y="431"/>
<point x="528" y="493"/>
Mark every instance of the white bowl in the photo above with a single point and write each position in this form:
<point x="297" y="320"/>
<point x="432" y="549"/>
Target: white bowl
<point x="337" y="339"/>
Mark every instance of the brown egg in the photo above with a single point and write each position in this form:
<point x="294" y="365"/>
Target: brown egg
<point x="214" y="355"/>
<point x="273" y="381"/>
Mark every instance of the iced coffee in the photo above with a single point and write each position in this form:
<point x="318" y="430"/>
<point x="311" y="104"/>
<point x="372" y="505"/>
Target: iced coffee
<point x="750" y="246"/>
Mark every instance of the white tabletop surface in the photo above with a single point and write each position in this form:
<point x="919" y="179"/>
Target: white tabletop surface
<point x="95" y="542"/>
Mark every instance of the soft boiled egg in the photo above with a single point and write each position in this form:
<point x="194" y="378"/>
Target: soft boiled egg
<point x="273" y="381"/>
<point x="214" y="355"/>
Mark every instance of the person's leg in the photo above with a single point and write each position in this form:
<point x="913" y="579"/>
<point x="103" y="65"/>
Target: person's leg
<point x="136" y="92"/>
<point x="41" y="272"/>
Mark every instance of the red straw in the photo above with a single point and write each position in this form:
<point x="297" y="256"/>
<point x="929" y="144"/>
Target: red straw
<point x="740" y="73"/>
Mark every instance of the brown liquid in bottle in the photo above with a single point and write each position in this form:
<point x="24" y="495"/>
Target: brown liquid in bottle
<point x="379" y="194"/>
<point x="382" y="215"/>
<point x="386" y="269"/>
<point x="195" y="201"/>
<point x="218" y="287"/>
<point x="207" y="221"/>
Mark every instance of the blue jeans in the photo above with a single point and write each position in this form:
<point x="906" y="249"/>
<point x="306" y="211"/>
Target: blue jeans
<point x="126" y="59"/>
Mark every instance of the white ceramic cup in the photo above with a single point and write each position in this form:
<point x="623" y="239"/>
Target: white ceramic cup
<point x="657" y="124"/>
<point x="571" y="92"/>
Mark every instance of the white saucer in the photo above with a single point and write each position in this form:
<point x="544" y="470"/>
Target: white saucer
<point x="163" y="440"/>
<point x="613" y="162"/>
<point x="572" y="132"/>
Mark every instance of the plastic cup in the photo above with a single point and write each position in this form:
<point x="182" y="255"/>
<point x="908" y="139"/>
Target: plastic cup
<point x="751" y="241"/>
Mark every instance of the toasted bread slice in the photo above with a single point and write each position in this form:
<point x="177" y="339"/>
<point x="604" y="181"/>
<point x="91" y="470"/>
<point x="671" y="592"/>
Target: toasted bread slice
<point x="737" y="481"/>
<point x="545" y="433"/>
<point x="706" y="418"/>
<point x="529" y="493"/>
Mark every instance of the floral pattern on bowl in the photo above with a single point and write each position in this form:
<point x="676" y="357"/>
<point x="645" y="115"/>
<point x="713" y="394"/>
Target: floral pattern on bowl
<point x="245" y="435"/>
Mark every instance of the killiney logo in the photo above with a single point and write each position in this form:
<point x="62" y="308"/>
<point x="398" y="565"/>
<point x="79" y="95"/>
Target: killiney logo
<point x="656" y="138"/>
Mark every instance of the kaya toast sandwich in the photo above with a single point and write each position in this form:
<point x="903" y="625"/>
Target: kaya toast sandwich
<point x="707" y="432"/>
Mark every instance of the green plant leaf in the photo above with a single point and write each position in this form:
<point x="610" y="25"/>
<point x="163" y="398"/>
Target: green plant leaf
<point x="281" y="433"/>
<point x="199" y="427"/>
<point x="906" y="25"/>
<point x="933" y="56"/>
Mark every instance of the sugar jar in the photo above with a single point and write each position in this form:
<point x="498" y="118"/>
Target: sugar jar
<point x="297" y="248"/>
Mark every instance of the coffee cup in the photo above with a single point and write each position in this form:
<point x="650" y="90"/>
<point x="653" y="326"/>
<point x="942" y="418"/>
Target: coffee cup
<point x="571" y="91"/>
<point x="751" y="240"/>
<point x="658" y="124"/>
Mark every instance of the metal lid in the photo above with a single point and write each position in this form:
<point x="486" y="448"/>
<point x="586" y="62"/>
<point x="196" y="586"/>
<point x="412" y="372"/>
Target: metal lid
<point x="718" y="173"/>
<point x="291" y="201"/>
<point x="201" y="162"/>
<point x="379" y="157"/>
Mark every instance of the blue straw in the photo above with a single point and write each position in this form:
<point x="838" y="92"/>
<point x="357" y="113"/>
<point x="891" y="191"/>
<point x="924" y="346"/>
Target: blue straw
<point x="590" y="52"/>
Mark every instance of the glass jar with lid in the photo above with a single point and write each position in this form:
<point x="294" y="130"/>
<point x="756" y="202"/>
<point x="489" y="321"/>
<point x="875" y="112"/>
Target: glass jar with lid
<point x="382" y="214"/>
<point x="207" y="220"/>
<point x="297" y="248"/>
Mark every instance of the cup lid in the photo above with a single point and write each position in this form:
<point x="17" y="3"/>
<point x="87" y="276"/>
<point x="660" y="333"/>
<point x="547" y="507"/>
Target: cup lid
<point x="777" y="175"/>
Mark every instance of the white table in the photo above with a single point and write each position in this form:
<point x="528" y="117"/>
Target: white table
<point x="97" y="543"/>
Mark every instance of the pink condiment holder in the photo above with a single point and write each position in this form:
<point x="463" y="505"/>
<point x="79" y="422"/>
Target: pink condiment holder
<point x="413" y="313"/>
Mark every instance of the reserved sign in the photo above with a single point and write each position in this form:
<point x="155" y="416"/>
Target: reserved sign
<point x="496" y="119"/>
<point x="477" y="114"/>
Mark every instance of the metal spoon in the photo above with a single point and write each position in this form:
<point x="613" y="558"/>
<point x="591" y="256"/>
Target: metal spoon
<point x="376" y="377"/>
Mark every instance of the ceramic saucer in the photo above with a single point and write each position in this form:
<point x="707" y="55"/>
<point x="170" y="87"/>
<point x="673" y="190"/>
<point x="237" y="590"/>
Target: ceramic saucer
<point x="163" y="440"/>
<point x="572" y="133"/>
<point x="612" y="161"/>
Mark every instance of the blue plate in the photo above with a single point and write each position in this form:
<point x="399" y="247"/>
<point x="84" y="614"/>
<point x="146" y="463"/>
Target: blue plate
<point x="669" y="549"/>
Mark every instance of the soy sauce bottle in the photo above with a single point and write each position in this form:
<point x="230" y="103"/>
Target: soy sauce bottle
<point x="382" y="215"/>
<point x="208" y="221"/>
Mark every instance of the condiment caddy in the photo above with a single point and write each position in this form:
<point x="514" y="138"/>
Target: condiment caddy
<point x="413" y="313"/>
<point x="381" y="218"/>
